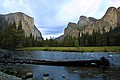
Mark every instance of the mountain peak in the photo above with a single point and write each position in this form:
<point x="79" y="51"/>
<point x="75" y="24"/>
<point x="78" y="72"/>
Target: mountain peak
<point x="110" y="8"/>
<point x="118" y="8"/>
<point x="110" y="12"/>
<point x="87" y="25"/>
<point x="82" y="17"/>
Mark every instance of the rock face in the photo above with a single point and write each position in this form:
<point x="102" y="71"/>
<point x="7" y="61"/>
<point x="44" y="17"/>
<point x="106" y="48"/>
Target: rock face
<point x="87" y="25"/>
<point x="27" y="23"/>
<point x="60" y="37"/>
<point x="118" y="16"/>
<point x="71" y="29"/>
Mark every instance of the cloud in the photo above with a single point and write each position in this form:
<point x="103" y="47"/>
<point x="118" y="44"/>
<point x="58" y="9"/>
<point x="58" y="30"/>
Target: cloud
<point x="51" y="32"/>
<point x="48" y="11"/>
<point x="105" y="5"/>
<point x="114" y="3"/>
<point x="17" y="6"/>
<point x="75" y="8"/>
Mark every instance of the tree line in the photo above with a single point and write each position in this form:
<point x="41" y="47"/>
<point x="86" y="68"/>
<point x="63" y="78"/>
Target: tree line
<point x="12" y="37"/>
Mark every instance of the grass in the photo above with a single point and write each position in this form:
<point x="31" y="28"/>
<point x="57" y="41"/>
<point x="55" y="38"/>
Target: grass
<point x="76" y="49"/>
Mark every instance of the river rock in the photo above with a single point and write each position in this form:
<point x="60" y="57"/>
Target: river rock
<point x="45" y="74"/>
<point x="63" y="76"/>
<point x="29" y="75"/>
<point x="15" y="72"/>
<point x="45" y="78"/>
<point x="4" y="76"/>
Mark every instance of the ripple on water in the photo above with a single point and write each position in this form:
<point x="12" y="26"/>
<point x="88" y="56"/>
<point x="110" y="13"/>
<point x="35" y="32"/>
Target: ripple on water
<point x="71" y="73"/>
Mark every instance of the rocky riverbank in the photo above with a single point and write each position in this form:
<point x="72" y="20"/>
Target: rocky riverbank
<point x="14" y="72"/>
<point x="4" y="76"/>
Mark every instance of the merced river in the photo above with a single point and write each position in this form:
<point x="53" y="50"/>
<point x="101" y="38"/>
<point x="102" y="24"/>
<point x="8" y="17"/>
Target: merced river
<point x="70" y="73"/>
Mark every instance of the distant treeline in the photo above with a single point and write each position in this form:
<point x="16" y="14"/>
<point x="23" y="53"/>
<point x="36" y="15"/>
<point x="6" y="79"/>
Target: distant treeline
<point x="12" y="37"/>
<point x="111" y="38"/>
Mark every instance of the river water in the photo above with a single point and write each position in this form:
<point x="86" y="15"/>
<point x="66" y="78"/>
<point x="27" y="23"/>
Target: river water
<point x="70" y="73"/>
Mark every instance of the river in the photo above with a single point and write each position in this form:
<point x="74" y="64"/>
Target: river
<point x="70" y="73"/>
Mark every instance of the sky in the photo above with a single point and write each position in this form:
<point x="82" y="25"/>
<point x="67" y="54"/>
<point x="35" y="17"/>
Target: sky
<point x="52" y="16"/>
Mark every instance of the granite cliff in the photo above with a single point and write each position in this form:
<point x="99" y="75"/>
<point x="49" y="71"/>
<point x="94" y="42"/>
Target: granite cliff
<point x="27" y="23"/>
<point x="87" y="25"/>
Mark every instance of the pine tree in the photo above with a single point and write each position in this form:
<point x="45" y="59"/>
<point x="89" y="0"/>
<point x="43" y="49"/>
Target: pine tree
<point x="79" y="35"/>
<point x="14" y="25"/>
<point x="20" y="26"/>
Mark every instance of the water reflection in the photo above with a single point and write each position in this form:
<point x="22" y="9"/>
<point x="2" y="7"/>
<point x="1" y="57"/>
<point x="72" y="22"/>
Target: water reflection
<point x="70" y="73"/>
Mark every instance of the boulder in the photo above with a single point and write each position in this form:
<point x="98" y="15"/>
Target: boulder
<point x="29" y="75"/>
<point x="45" y="78"/>
<point x="46" y="74"/>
